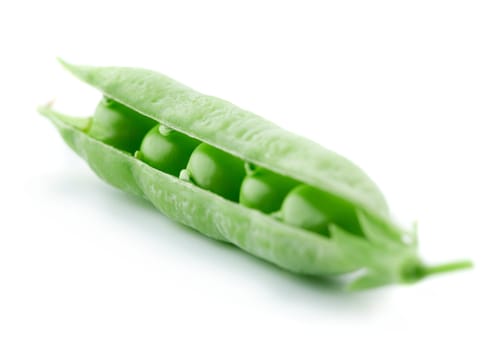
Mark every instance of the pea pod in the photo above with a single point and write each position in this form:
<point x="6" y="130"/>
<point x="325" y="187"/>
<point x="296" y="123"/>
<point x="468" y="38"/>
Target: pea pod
<point x="346" y="225"/>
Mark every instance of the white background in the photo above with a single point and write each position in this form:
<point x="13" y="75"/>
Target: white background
<point x="409" y="90"/>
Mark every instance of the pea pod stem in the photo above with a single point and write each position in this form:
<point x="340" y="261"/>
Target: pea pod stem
<point x="446" y="267"/>
<point x="414" y="271"/>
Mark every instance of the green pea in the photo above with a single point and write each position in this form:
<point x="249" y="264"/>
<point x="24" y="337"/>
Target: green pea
<point x="119" y="126"/>
<point x="216" y="171"/>
<point x="166" y="149"/>
<point x="313" y="209"/>
<point x="265" y="190"/>
<point x="335" y="198"/>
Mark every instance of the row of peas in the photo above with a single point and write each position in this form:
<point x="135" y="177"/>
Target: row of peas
<point x="210" y="168"/>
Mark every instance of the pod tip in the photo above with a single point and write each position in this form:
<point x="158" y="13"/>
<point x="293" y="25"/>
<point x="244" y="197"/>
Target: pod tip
<point x="43" y="109"/>
<point x="65" y="64"/>
<point x="61" y="61"/>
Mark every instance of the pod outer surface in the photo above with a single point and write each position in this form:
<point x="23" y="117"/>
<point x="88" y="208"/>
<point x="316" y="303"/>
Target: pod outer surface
<point x="236" y="131"/>
<point x="291" y="248"/>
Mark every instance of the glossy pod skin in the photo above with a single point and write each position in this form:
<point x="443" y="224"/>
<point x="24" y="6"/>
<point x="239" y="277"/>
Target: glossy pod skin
<point x="357" y="236"/>
<point x="216" y="217"/>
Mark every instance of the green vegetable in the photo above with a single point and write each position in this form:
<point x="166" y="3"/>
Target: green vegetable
<point x="216" y="171"/>
<point x="264" y="190"/>
<point x="119" y="126"/>
<point x="166" y="149"/>
<point x="236" y="177"/>
<point x="314" y="210"/>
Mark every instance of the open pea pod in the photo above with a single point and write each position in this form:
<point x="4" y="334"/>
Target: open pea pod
<point x="379" y="250"/>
